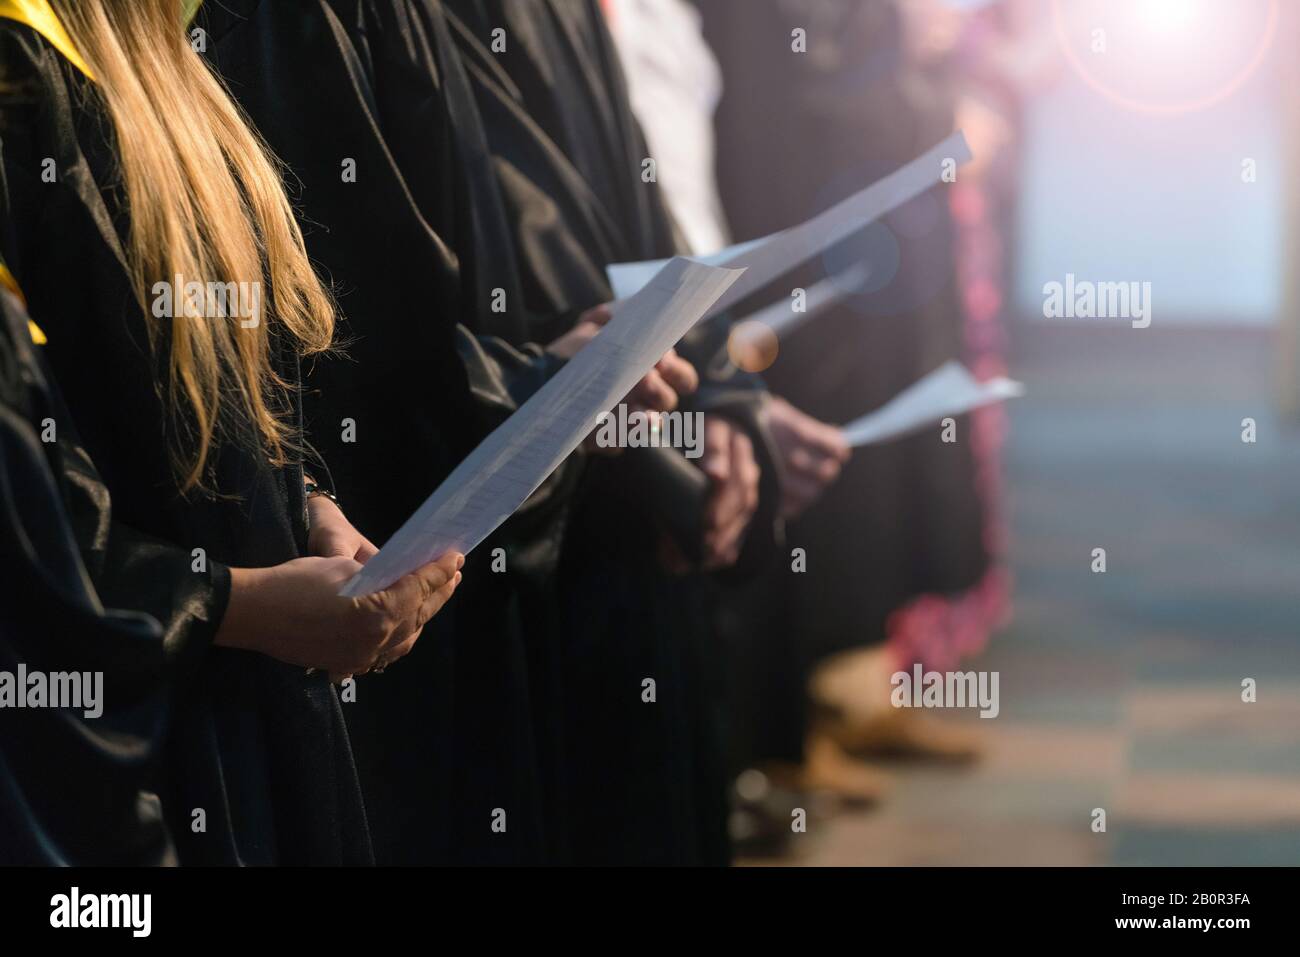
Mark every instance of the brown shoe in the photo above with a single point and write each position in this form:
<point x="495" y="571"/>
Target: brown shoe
<point x="828" y="771"/>
<point x="904" y="733"/>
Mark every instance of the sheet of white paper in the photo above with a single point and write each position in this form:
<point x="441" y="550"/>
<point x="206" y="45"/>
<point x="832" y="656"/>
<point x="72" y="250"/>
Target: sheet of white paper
<point x="780" y="317"/>
<point x="626" y="278"/>
<point x="768" y="259"/>
<point x="508" y="466"/>
<point x="948" y="390"/>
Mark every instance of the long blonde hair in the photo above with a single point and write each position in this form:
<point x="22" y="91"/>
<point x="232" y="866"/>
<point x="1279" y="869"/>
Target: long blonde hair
<point x="206" y="202"/>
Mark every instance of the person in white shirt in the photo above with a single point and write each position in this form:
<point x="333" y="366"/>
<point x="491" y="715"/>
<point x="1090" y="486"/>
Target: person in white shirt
<point x="675" y="84"/>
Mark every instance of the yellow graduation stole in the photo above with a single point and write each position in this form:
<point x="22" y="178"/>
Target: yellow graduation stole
<point x="7" y="281"/>
<point x="38" y="15"/>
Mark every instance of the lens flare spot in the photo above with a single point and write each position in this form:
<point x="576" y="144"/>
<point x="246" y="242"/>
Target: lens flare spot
<point x="752" y="346"/>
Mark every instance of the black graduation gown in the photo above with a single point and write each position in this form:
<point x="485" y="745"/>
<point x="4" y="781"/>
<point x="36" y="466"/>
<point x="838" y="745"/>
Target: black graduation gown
<point x="418" y="249"/>
<point x="571" y="216"/>
<point x="259" y="747"/>
<point x="396" y="72"/>
<point x="904" y="517"/>
<point x="73" y="789"/>
<point x="647" y="779"/>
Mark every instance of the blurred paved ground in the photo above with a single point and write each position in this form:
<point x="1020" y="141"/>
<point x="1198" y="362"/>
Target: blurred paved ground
<point x="1122" y="690"/>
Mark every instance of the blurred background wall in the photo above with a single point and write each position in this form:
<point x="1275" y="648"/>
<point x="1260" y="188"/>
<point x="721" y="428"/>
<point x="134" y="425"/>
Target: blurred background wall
<point x="1122" y="690"/>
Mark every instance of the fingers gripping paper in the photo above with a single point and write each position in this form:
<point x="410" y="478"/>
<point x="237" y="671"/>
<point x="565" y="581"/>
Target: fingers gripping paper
<point x="508" y="466"/>
<point x="948" y="390"/>
<point x="768" y="259"/>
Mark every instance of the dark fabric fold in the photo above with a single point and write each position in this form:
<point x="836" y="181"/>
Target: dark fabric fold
<point x="74" y="789"/>
<point x="419" y="251"/>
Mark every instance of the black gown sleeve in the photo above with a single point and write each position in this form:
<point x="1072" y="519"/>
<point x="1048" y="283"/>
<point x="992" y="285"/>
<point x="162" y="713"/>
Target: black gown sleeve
<point x="741" y="397"/>
<point x="128" y="568"/>
<point x="424" y="106"/>
<point x="74" y="786"/>
<point x="568" y="149"/>
<point x="424" y="370"/>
